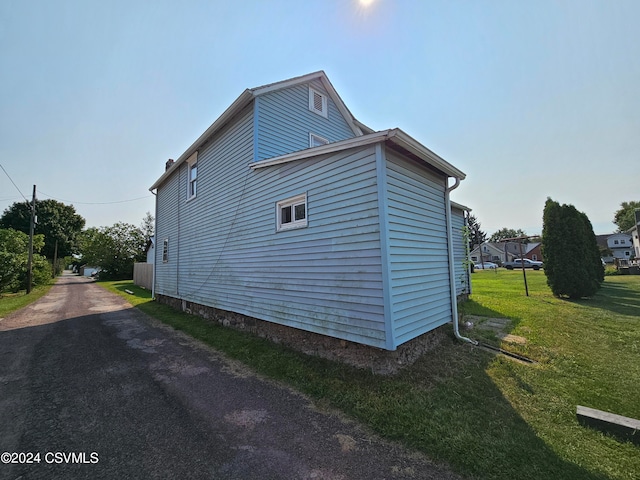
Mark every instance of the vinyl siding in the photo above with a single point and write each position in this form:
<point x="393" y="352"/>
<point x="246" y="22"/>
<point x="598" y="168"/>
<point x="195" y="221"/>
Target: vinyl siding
<point x="168" y="209"/>
<point x="284" y="121"/>
<point x="325" y="278"/>
<point x="419" y="282"/>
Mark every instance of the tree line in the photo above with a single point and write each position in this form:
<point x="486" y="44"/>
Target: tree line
<point x="59" y="232"/>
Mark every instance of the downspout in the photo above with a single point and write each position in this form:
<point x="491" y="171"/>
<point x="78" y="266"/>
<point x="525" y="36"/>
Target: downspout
<point x="155" y="250"/>
<point x="452" y="275"/>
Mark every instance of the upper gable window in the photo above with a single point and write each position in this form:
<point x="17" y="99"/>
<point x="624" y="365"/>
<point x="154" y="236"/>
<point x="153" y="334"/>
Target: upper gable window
<point x="317" y="140"/>
<point x="192" y="176"/>
<point x="318" y="102"/>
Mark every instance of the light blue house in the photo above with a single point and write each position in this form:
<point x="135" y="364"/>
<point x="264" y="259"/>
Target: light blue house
<point x="289" y="210"/>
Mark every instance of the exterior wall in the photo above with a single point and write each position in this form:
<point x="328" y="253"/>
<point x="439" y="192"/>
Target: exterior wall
<point x="284" y="121"/>
<point x="621" y="245"/>
<point x="225" y="252"/>
<point x="419" y="268"/>
<point x="460" y="252"/>
<point x="535" y="253"/>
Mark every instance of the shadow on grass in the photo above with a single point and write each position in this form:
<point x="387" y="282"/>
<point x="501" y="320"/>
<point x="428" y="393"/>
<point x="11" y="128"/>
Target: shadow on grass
<point x="620" y="298"/>
<point x="446" y="405"/>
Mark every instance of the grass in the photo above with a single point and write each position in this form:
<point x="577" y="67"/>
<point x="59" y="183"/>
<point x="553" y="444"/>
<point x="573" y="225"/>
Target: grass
<point x="10" y="302"/>
<point x="484" y="415"/>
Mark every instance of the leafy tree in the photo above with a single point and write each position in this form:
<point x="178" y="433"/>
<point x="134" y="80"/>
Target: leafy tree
<point x="505" y="233"/>
<point x="114" y="249"/>
<point x="14" y="258"/>
<point x="572" y="261"/>
<point x="625" y="218"/>
<point x="148" y="226"/>
<point x="56" y="221"/>
<point x="476" y="236"/>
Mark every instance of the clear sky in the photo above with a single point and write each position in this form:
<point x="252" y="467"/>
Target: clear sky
<point x="529" y="99"/>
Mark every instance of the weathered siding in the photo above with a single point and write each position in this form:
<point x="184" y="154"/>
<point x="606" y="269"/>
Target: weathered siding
<point x="419" y="268"/>
<point x="459" y="251"/>
<point x="284" y="121"/>
<point x="168" y="203"/>
<point x="325" y="278"/>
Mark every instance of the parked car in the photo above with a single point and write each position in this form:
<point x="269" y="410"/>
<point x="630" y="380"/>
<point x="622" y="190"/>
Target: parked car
<point x="518" y="263"/>
<point x="485" y="265"/>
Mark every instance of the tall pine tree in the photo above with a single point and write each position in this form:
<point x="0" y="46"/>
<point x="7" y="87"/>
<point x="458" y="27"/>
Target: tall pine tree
<point x="571" y="256"/>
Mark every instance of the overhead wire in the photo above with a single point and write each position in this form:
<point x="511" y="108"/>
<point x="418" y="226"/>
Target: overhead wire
<point x="14" y="183"/>
<point x="93" y="203"/>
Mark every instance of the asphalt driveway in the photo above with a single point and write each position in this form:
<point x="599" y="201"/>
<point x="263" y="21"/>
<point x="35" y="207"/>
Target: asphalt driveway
<point x="92" y="388"/>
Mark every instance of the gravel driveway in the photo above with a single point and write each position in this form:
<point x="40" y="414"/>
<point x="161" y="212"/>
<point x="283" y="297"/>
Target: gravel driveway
<point x="92" y="388"/>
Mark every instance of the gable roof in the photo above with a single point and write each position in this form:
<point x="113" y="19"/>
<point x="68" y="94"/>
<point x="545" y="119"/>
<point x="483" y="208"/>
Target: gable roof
<point x="248" y="96"/>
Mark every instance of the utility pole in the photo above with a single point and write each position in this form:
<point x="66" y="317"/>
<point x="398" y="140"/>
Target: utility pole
<point x="31" y="226"/>
<point x="55" y="261"/>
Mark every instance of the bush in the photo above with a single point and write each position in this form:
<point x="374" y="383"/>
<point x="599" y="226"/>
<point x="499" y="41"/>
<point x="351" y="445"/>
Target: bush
<point x="14" y="258"/>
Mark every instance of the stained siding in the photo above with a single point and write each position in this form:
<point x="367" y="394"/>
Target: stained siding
<point x="168" y="205"/>
<point x="325" y="278"/>
<point x="420" y="293"/>
<point x="459" y="251"/>
<point x="284" y="121"/>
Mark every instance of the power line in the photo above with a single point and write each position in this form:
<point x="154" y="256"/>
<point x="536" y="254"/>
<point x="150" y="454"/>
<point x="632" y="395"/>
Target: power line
<point x="14" y="183"/>
<point x="93" y="203"/>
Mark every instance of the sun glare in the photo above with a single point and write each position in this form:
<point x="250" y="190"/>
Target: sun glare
<point x="366" y="3"/>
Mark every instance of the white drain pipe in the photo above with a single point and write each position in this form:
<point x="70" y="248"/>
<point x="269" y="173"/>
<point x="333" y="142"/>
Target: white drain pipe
<point x="452" y="272"/>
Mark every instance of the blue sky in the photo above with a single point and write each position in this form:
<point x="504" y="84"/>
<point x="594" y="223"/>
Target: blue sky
<point x="530" y="99"/>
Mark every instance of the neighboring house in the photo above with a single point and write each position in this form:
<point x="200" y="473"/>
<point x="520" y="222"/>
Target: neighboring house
<point x="495" y="252"/>
<point x="636" y="242"/>
<point x="150" y="249"/>
<point x="533" y="251"/>
<point x="87" y="271"/>
<point x="289" y="210"/>
<point x="621" y="245"/>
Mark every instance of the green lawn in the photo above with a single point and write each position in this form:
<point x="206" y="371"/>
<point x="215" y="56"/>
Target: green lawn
<point x="10" y="302"/>
<point x="484" y="415"/>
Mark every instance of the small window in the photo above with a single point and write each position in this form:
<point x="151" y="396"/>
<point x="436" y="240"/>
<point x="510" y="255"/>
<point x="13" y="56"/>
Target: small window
<point x="317" y="140"/>
<point x="534" y="257"/>
<point x="615" y="242"/>
<point x="292" y="213"/>
<point x="165" y="250"/>
<point x="318" y="102"/>
<point x="192" y="176"/>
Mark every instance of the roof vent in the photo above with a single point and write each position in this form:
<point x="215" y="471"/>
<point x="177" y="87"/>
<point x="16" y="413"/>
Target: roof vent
<point x="167" y="165"/>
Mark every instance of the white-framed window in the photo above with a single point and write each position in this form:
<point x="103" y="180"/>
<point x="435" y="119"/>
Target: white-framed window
<point x="318" y="102"/>
<point x="534" y="257"/>
<point x="192" y="176"/>
<point x="165" y="250"/>
<point x="292" y="213"/>
<point x="317" y="140"/>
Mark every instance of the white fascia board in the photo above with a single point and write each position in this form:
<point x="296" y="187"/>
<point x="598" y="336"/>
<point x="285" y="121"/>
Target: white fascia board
<point x="239" y="103"/>
<point x="322" y="150"/>
<point x="395" y="135"/>
<point x="412" y="145"/>
<point x="272" y="87"/>
<point x="459" y="206"/>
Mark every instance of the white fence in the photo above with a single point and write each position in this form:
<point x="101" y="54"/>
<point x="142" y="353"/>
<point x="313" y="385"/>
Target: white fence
<point x="143" y="275"/>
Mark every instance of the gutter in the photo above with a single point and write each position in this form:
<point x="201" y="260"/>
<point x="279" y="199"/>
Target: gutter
<point x="452" y="275"/>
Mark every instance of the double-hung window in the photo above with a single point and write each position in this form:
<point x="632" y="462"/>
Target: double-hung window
<point x="165" y="250"/>
<point x="192" y="176"/>
<point x="292" y="213"/>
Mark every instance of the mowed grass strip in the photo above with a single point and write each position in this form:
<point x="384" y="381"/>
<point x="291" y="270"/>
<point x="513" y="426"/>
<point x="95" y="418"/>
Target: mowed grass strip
<point x="10" y="302"/>
<point x="484" y="415"/>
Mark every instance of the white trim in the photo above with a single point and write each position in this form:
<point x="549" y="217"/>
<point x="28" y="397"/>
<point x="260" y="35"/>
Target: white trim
<point x="291" y="203"/>
<point x="395" y="136"/>
<point x="165" y="250"/>
<point x="192" y="181"/>
<point x="324" y="103"/>
<point x="319" y="140"/>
